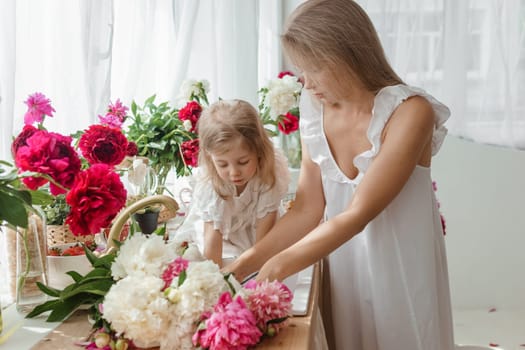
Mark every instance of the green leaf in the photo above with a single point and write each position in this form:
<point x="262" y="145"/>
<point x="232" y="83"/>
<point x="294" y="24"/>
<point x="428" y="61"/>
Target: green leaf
<point x="41" y="198"/>
<point x="98" y="287"/>
<point x="13" y="210"/>
<point x="98" y="273"/>
<point x="75" y="275"/>
<point x="47" y="306"/>
<point x="48" y="290"/>
<point x="63" y="309"/>
<point x="182" y="278"/>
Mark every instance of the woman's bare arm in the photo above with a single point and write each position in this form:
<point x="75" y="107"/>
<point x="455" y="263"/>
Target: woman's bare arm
<point x="406" y="142"/>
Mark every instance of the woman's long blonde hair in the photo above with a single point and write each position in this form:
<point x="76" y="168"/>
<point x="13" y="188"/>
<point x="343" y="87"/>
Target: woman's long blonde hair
<point x="225" y="121"/>
<point x="339" y="35"/>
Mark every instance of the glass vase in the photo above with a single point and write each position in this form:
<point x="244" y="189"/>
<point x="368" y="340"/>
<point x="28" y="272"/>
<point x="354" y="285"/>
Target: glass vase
<point x="291" y="146"/>
<point x="30" y="262"/>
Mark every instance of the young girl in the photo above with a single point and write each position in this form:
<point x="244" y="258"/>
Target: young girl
<point x="241" y="181"/>
<point x="368" y="140"/>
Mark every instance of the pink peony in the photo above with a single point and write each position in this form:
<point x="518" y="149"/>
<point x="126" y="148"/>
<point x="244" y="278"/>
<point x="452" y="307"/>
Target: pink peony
<point x="231" y="326"/>
<point x="173" y="270"/>
<point x="46" y="153"/>
<point x="115" y="116"/>
<point x="38" y="106"/>
<point x="269" y="301"/>
<point x="95" y="199"/>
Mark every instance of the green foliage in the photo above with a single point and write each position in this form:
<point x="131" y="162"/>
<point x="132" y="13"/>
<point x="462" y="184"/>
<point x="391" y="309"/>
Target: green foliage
<point x="56" y="211"/>
<point x="158" y="133"/>
<point x="14" y="199"/>
<point x="85" y="290"/>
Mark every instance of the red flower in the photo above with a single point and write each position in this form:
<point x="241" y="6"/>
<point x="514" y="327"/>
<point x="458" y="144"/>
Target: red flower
<point x="190" y="152"/>
<point x="288" y="123"/>
<point x="285" y="73"/>
<point x="132" y="149"/>
<point x="95" y="199"/>
<point x="21" y="139"/>
<point x="103" y="144"/>
<point x="46" y="153"/>
<point x="192" y="112"/>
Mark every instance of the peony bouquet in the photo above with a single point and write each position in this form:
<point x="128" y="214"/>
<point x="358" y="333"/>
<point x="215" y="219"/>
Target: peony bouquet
<point x="167" y="135"/>
<point x="279" y="108"/>
<point x="279" y="103"/>
<point x="86" y="177"/>
<point x="167" y="295"/>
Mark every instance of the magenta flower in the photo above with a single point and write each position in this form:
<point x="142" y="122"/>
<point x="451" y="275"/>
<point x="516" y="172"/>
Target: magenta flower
<point x="46" y="153"/>
<point x="115" y="115"/>
<point x="231" y="326"/>
<point x="173" y="270"/>
<point x="269" y="301"/>
<point x="38" y="106"/>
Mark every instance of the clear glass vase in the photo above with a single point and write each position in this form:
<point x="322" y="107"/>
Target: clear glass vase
<point x="291" y="146"/>
<point x="30" y="262"/>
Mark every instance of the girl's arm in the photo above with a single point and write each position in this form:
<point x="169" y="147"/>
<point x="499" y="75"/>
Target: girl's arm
<point x="305" y="214"/>
<point x="212" y="243"/>
<point x="264" y="224"/>
<point x="407" y="142"/>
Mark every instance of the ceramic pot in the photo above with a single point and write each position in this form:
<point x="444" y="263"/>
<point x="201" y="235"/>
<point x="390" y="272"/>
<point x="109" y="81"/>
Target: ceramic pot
<point x="147" y="221"/>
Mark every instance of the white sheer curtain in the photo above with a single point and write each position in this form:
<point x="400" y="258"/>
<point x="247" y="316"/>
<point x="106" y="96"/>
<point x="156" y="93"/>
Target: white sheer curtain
<point x="84" y="53"/>
<point x="469" y="54"/>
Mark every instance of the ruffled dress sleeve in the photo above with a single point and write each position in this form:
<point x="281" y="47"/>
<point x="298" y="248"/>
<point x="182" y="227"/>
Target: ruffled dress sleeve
<point x="385" y="103"/>
<point x="206" y="202"/>
<point x="271" y="200"/>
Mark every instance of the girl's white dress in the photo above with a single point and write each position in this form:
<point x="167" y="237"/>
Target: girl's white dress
<point x="388" y="285"/>
<point x="236" y="218"/>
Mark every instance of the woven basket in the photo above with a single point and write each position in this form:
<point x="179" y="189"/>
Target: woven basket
<point x="61" y="234"/>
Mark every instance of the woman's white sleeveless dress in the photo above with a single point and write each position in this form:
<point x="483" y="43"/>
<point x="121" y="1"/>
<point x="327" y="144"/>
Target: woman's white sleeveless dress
<point x="388" y="285"/>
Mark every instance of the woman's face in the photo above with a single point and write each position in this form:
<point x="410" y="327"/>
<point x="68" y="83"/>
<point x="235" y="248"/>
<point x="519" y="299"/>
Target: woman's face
<point x="237" y="166"/>
<point x="321" y="84"/>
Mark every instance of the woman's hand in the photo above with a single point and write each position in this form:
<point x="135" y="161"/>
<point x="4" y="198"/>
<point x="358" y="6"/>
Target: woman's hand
<point x="272" y="270"/>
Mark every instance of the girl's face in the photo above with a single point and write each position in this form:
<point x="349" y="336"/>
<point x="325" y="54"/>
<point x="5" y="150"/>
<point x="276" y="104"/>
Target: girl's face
<point x="237" y="166"/>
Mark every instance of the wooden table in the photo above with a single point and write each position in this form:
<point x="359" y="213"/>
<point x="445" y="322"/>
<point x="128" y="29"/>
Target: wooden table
<point x="298" y="335"/>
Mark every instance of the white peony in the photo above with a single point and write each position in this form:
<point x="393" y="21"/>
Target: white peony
<point x="282" y="95"/>
<point x="191" y="87"/>
<point x="142" y="255"/>
<point x="201" y="289"/>
<point x="136" y="307"/>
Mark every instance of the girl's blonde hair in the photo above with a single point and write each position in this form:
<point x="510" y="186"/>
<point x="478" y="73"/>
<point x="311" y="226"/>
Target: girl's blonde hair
<point x="338" y="34"/>
<point x="223" y="122"/>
